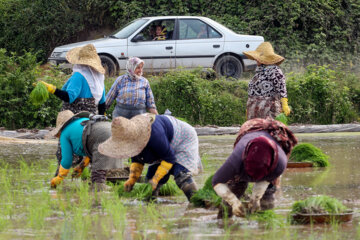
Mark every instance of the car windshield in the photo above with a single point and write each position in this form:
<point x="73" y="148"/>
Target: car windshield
<point x="129" y="29"/>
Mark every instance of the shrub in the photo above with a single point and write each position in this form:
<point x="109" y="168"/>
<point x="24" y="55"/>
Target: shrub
<point x="315" y="97"/>
<point x="17" y="74"/>
<point x="198" y="100"/>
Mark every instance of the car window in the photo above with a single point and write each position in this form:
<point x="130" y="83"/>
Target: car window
<point x="157" y="30"/>
<point x="196" y="29"/>
<point x="129" y="29"/>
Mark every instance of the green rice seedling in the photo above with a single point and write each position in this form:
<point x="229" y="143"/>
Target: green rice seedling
<point x="39" y="94"/>
<point x="282" y="118"/>
<point x="269" y="218"/>
<point x="85" y="174"/>
<point x="169" y="189"/>
<point x="318" y="204"/>
<point x="206" y="196"/>
<point x="306" y="152"/>
<point x="140" y="191"/>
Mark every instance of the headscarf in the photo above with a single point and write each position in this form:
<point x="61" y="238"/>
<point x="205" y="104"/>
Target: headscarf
<point x="276" y="129"/>
<point x="131" y="65"/>
<point x="94" y="78"/>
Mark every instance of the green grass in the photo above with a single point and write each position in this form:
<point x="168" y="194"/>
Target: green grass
<point x="306" y="152"/>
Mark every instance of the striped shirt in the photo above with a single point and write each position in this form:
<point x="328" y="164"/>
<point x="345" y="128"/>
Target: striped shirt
<point x="131" y="92"/>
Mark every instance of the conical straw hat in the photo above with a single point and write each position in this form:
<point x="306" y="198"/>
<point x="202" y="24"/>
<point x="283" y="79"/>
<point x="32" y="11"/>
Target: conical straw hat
<point x="63" y="118"/>
<point x="85" y="55"/>
<point x="265" y="54"/>
<point x="128" y="137"/>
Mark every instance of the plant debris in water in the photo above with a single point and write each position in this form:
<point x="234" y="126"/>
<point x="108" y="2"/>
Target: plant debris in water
<point x="282" y="118"/>
<point x="206" y="196"/>
<point x="318" y="205"/>
<point x="39" y="94"/>
<point x="306" y="152"/>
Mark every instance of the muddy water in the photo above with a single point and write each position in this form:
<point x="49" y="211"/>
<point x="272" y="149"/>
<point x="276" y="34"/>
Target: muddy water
<point x="175" y="219"/>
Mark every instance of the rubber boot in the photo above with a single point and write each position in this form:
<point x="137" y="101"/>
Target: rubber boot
<point x="98" y="181"/>
<point x="186" y="183"/>
<point x="268" y="199"/>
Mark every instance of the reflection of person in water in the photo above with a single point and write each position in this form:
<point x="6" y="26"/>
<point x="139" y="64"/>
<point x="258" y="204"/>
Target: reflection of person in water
<point x="203" y="32"/>
<point x="160" y="33"/>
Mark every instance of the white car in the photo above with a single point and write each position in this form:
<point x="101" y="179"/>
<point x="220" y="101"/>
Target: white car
<point x="185" y="41"/>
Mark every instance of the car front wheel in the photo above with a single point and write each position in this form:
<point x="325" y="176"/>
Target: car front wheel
<point x="229" y="66"/>
<point x="109" y="65"/>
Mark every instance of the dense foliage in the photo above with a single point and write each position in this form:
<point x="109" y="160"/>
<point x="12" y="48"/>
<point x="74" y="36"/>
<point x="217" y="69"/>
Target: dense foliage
<point x="199" y="100"/>
<point x="17" y="75"/>
<point x="319" y="96"/>
<point x="319" y="31"/>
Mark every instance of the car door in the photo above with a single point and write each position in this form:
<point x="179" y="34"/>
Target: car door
<point x="157" y="53"/>
<point x="198" y="43"/>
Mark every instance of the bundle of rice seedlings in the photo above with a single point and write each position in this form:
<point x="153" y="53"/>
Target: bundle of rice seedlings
<point x="318" y="204"/>
<point x="140" y="191"/>
<point x="39" y="94"/>
<point x="169" y="189"/>
<point x="306" y="152"/>
<point x="269" y="218"/>
<point x="206" y="196"/>
<point x="282" y="118"/>
<point x="143" y="191"/>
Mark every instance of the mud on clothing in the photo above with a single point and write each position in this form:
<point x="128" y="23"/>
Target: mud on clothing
<point x="265" y="90"/>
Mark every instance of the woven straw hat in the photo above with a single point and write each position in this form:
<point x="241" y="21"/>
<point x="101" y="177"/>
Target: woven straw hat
<point x="63" y="119"/>
<point x="85" y="55"/>
<point x="265" y="54"/>
<point x="128" y="137"/>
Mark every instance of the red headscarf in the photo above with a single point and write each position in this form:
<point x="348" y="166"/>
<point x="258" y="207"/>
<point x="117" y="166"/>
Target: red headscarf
<point x="260" y="157"/>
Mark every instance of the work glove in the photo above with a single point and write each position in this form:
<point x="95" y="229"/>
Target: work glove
<point x="161" y="171"/>
<point x="135" y="173"/>
<point x="60" y="177"/>
<point x="285" y="106"/>
<point x="257" y="193"/>
<point x="225" y="193"/>
<point x="80" y="168"/>
<point x="51" y="88"/>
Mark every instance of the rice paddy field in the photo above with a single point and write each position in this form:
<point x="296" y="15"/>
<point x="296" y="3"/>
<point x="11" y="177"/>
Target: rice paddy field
<point x="29" y="209"/>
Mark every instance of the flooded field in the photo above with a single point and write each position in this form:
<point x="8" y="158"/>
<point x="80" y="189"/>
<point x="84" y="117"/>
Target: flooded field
<point x="29" y="209"/>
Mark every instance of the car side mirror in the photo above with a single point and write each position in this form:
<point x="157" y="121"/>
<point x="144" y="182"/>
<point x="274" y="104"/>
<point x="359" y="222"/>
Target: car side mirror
<point x="138" y="38"/>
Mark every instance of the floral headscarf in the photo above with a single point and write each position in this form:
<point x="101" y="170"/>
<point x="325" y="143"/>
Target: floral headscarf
<point x="131" y="65"/>
<point x="276" y="129"/>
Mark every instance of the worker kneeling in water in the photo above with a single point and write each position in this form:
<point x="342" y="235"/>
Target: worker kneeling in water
<point x="171" y="147"/>
<point x="260" y="155"/>
<point x="81" y="134"/>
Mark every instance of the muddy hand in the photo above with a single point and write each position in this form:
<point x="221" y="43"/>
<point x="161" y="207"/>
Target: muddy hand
<point x="128" y="185"/>
<point x="238" y="209"/>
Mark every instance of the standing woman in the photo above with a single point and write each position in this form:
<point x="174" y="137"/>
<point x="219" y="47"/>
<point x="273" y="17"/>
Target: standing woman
<point x="85" y="89"/>
<point x="132" y="92"/>
<point x="267" y="89"/>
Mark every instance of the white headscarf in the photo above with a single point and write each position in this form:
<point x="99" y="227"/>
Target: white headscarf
<point x="93" y="78"/>
<point x="131" y="65"/>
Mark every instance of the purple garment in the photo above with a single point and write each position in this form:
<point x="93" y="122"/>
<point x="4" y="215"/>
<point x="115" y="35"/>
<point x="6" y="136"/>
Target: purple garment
<point x="233" y="168"/>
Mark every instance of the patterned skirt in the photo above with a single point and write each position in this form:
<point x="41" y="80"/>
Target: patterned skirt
<point x="185" y="143"/>
<point x="262" y="107"/>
